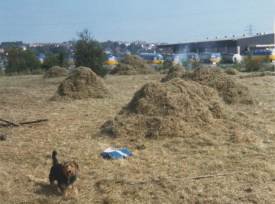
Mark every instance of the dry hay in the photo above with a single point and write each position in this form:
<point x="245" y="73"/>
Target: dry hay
<point x="160" y="173"/>
<point x="177" y="108"/>
<point x="82" y="83"/>
<point x="56" y="71"/>
<point x="132" y="65"/>
<point x="244" y="136"/>
<point x="231" y="71"/>
<point x="228" y="88"/>
<point x="174" y="72"/>
<point x="258" y="74"/>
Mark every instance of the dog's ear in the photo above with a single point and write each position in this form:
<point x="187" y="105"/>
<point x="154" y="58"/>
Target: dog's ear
<point x="76" y="165"/>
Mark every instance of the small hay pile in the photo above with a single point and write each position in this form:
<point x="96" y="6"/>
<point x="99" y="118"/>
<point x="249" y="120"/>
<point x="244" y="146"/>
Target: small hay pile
<point x="228" y="88"/>
<point x="56" y="71"/>
<point x="174" y="72"/>
<point x="231" y="71"/>
<point x="177" y="108"/>
<point x="82" y="83"/>
<point x="132" y="65"/>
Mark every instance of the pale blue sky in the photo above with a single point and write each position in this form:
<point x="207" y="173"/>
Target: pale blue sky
<point x="128" y="20"/>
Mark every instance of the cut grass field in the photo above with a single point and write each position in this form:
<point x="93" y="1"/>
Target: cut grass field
<point x="161" y="171"/>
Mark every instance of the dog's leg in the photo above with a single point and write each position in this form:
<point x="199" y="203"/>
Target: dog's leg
<point x="66" y="193"/>
<point x="75" y="189"/>
<point x="51" y="177"/>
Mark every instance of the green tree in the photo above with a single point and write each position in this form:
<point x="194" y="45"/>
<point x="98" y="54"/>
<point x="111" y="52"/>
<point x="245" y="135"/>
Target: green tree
<point x="20" y="61"/>
<point x="89" y="53"/>
<point x="50" y="61"/>
<point x="57" y="59"/>
<point x="61" y="59"/>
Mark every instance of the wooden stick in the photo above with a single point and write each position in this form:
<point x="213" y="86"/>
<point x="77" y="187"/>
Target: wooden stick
<point x="210" y="176"/>
<point x="9" y="123"/>
<point x="34" y="121"/>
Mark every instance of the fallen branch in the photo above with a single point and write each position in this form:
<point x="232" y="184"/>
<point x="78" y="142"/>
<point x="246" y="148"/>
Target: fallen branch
<point x="34" y="121"/>
<point x="210" y="176"/>
<point x="12" y="124"/>
<point x="9" y="123"/>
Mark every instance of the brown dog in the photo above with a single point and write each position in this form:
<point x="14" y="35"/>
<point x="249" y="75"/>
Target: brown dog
<point x="65" y="174"/>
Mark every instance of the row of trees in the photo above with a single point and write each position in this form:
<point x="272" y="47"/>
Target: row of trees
<point x="88" y="52"/>
<point x="20" y="61"/>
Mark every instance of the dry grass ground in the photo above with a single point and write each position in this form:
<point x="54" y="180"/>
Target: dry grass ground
<point x="161" y="171"/>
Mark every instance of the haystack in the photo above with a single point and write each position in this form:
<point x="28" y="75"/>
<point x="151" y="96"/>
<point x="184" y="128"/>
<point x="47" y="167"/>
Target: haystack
<point x="177" y="108"/>
<point x="174" y="72"/>
<point x="82" y="83"/>
<point x="132" y="65"/>
<point x="56" y="71"/>
<point x="229" y="88"/>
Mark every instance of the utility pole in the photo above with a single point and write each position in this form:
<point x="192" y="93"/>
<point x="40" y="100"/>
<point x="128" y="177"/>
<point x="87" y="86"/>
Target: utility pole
<point x="273" y="62"/>
<point x="249" y="30"/>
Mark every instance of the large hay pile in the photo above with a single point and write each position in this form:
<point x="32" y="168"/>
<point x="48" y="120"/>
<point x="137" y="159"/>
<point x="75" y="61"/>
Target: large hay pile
<point x="56" y="71"/>
<point x="132" y="65"/>
<point x="82" y="83"/>
<point x="177" y="108"/>
<point x="229" y="88"/>
<point x="174" y="72"/>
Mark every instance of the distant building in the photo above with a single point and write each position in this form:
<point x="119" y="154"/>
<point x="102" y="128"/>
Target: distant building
<point x="227" y="47"/>
<point x="24" y="47"/>
<point x="3" y="62"/>
<point x="41" y="57"/>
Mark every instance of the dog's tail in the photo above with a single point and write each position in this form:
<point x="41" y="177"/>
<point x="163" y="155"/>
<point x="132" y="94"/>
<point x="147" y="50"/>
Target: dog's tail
<point x="54" y="154"/>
